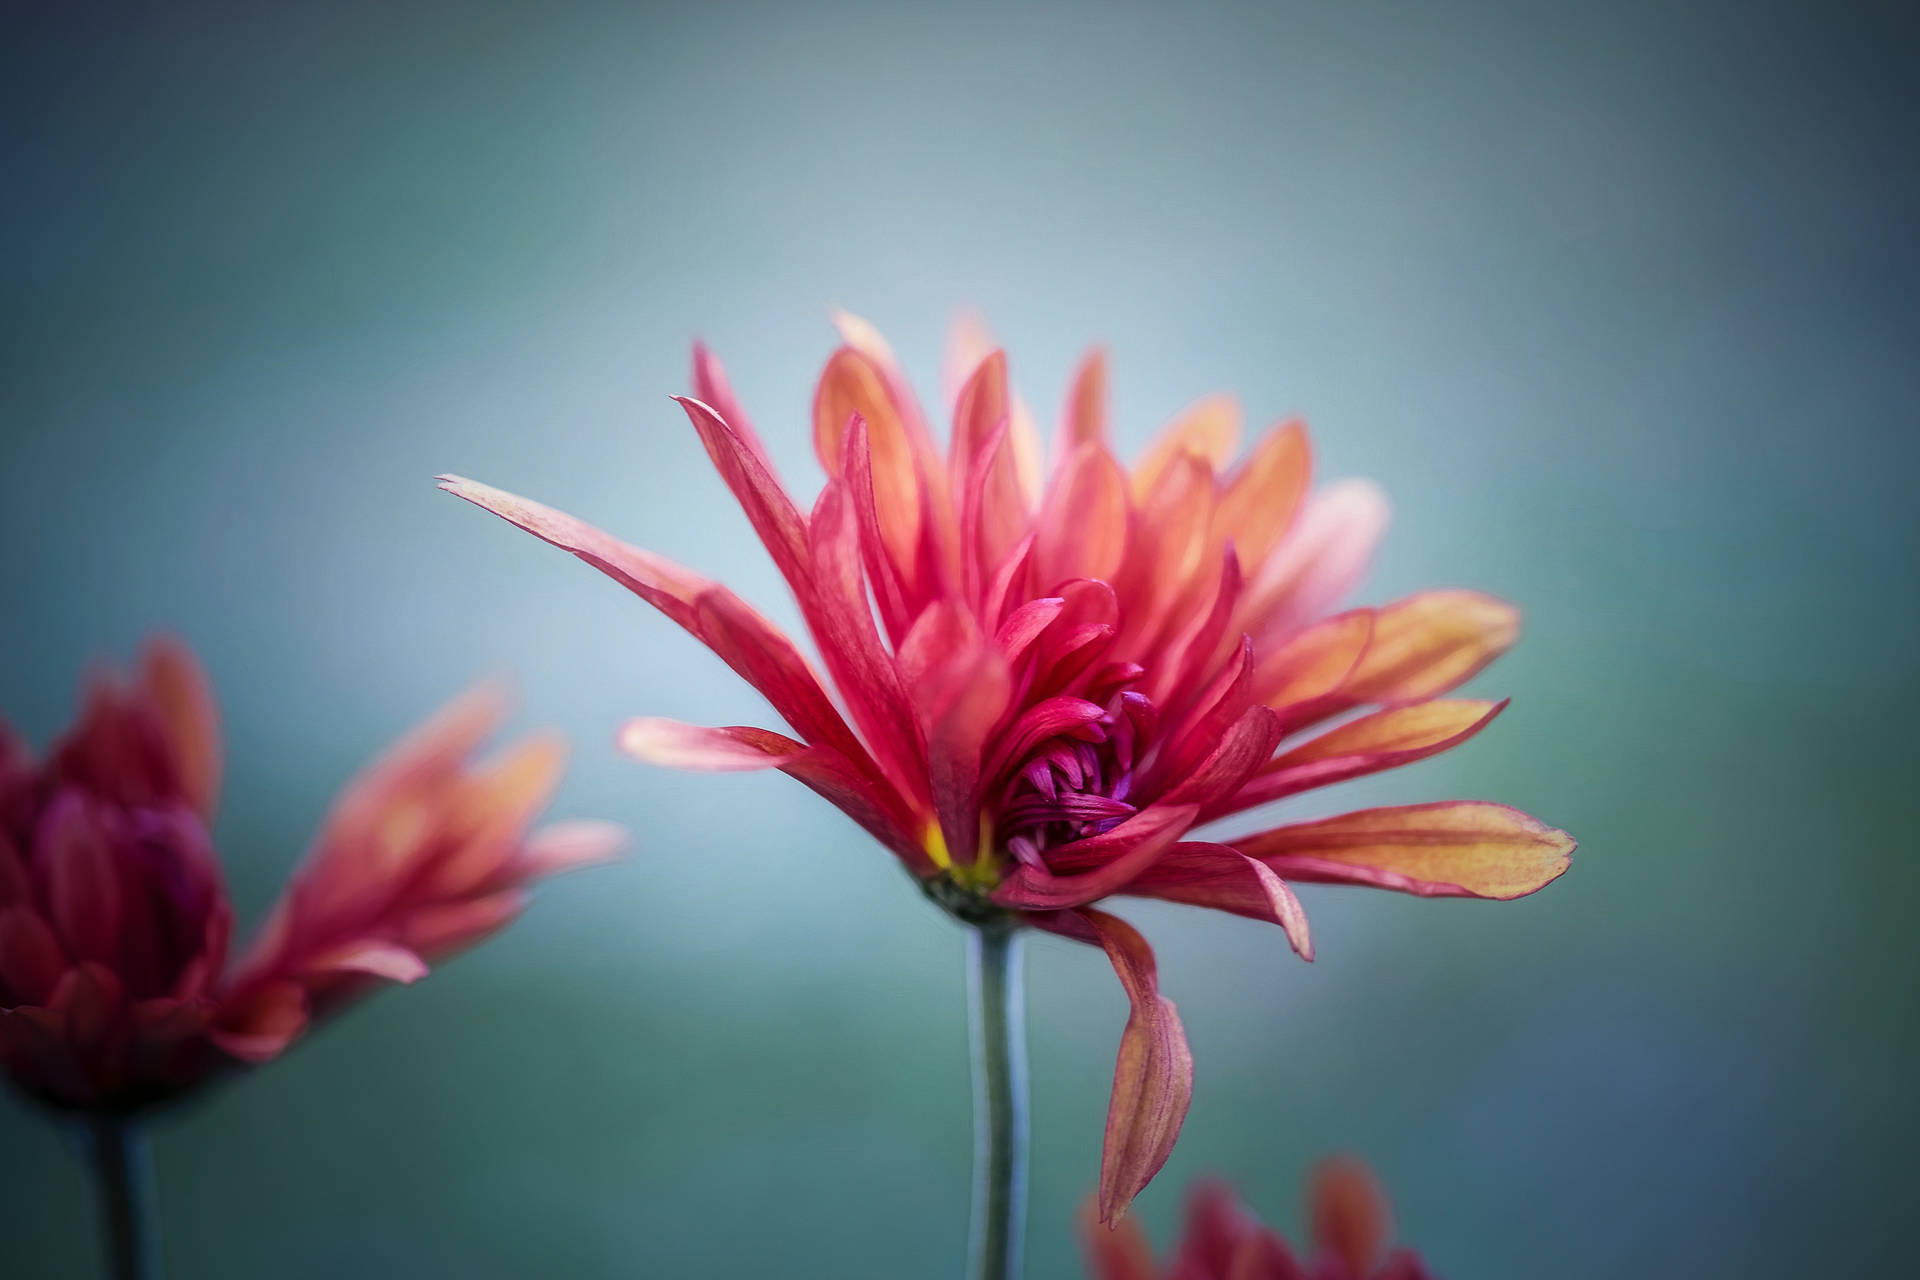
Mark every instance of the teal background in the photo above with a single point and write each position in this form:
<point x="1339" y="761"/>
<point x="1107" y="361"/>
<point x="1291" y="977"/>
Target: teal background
<point x="1618" y="303"/>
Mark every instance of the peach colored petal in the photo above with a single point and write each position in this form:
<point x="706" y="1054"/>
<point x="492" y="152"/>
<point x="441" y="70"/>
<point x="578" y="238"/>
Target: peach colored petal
<point x="1264" y="493"/>
<point x="175" y="681"/>
<point x="1458" y="848"/>
<point x="1208" y="429"/>
<point x="1431" y="642"/>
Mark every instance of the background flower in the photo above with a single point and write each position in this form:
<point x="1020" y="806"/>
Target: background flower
<point x="115" y="993"/>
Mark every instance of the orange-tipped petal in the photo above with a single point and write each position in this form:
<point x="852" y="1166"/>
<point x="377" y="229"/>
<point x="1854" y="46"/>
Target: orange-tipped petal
<point x="1221" y="877"/>
<point x="1084" y="420"/>
<point x="1264" y="493"/>
<point x="1083" y="527"/>
<point x="1459" y="848"/>
<point x="852" y="385"/>
<point x="1431" y="642"/>
<point x="1383" y="740"/>
<point x="1153" y="1075"/>
<point x="1208" y="429"/>
<point x="1351" y="1220"/>
<point x="174" y="680"/>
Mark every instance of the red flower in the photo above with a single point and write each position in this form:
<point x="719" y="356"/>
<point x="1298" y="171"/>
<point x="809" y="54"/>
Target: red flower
<point x="1223" y="1241"/>
<point x="114" y="920"/>
<point x="1063" y="680"/>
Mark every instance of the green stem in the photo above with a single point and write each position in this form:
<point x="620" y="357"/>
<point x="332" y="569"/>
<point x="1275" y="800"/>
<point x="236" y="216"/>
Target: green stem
<point x="997" y="1022"/>
<point x="116" y="1149"/>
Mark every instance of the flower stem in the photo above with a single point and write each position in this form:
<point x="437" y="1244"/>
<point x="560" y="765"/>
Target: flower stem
<point x="997" y="1023"/>
<point x="122" y="1164"/>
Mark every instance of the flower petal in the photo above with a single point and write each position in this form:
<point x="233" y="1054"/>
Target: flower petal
<point x="31" y="960"/>
<point x="781" y="528"/>
<point x="1263" y="494"/>
<point x="178" y="687"/>
<point x="372" y="956"/>
<point x="1118" y="1252"/>
<point x="1084" y="871"/>
<point x="1318" y="562"/>
<point x="1152" y="1078"/>
<point x="1220" y="876"/>
<point x="1084" y="420"/>
<point x="1428" y="643"/>
<point x="261" y="1024"/>
<point x="1350" y="1216"/>
<point x="1208" y="430"/>
<point x="710" y="386"/>
<point x="1458" y="848"/>
<point x="676" y="745"/>
<point x="1083" y="523"/>
<point x="1383" y="740"/>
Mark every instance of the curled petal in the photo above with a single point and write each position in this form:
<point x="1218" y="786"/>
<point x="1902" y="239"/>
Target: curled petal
<point x="1087" y="870"/>
<point x="1459" y="848"/>
<point x="781" y="528"/>
<point x="710" y="386"/>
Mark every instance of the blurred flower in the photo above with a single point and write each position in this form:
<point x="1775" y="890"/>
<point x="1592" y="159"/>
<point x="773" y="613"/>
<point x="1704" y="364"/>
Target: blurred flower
<point x="114" y="920"/>
<point x="1223" y="1241"/>
<point x="1066" y="677"/>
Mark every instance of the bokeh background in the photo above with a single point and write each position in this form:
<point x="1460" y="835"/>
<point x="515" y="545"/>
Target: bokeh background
<point x="1619" y="304"/>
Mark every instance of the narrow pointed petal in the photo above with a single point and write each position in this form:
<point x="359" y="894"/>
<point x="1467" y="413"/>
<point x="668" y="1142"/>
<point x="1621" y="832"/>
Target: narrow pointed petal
<point x="1383" y="740"/>
<point x="178" y="686"/>
<point x="781" y="528"/>
<point x="674" y="745"/>
<point x="1461" y="848"/>
<point x="1265" y="492"/>
<point x="1208" y="429"/>
<point x="1241" y="750"/>
<point x="1084" y="420"/>
<point x="1083" y="526"/>
<point x="1221" y="877"/>
<point x="1152" y="1078"/>
<point x="852" y="385"/>
<point x="1087" y="870"/>
<point x="710" y="386"/>
<point x="1431" y="642"/>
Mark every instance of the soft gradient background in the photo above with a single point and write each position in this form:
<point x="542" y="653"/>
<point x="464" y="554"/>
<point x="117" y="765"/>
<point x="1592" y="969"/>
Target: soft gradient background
<point x="1620" y="306"/>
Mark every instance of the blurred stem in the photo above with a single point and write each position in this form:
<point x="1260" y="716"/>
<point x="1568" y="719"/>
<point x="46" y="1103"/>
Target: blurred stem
<point x="117" y="1151"/>
<point x="997" y="1023"/>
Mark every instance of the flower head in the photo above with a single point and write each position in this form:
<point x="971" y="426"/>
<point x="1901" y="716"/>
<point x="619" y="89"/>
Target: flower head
<point x="1223" y="1241"/>
<point x="1044" y="684"/>
<point x="115" y="992"/>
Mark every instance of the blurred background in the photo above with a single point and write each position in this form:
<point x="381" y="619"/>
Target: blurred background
<point x="1619" y="306"/>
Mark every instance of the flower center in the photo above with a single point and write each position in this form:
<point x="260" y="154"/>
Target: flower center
<point x="1078" y="784"/>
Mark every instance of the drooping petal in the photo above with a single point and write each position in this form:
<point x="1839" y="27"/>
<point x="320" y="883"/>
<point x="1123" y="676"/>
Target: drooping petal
<point x="1383" y="740"/>
<point x="178" y="687"/>
<point x="1460" y="848"/>
<point x="1152" y="1078"/>
<point x="1219" y="876"/>
<point x="1431" y="642"/>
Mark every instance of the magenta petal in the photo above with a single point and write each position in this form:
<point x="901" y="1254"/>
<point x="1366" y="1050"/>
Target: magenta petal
<point x="1220" y="876"/>
<point x="1106" y="863"/>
